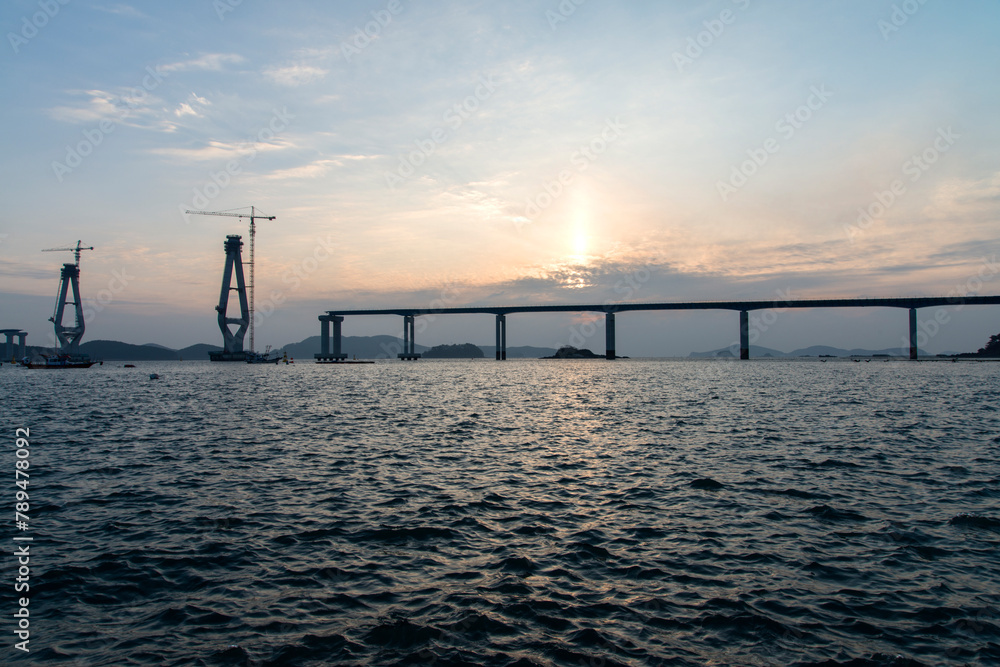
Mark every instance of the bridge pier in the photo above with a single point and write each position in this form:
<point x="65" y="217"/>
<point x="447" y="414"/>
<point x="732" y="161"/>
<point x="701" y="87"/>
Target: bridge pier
<point x="9" y="350"/>
<point x="744" y="334"/>
<point x="501" y="352"/>
<point x="609" y="336"/>
<point x="913" y="334"/>
<point x="325" y="353"/>
<point x="409" y="339"/>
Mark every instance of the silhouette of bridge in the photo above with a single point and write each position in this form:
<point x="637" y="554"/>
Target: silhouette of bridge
<point x="331" y="345"/>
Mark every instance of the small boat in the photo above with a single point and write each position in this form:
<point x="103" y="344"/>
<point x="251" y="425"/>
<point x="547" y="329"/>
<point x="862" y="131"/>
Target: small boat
<point x="154" y="376"/>
<point x="129" y="366"/>
<point x="62" y="361"/>
<point x="262" y="358"/>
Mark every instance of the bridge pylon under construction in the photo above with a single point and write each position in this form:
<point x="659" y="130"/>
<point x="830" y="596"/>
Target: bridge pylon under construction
<point x="232" y="340"/>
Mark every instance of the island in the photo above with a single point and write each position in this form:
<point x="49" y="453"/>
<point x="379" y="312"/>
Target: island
<point x="463" y="351"/>
<point x="991" y="351"/>
<point x="570" y="352"/>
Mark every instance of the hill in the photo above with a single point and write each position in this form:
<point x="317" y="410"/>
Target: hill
<point x="519" y="352"/>
<point x="463" y="351"/>
<point x="570" y="352"/>
<point x="112" y="350"/>
<point x="362" y="347"/>
<point x="990" y="351"/>
<point x="197" y="352"/>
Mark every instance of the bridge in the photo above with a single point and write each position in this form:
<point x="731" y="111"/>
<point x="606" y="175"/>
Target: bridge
<point x="331" y="345"/>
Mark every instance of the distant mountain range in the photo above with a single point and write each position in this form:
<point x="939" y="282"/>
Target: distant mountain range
<point x="757" y="351"/>
<point x="361" y="347"/>
<point x="113" y="350"/>
<point x="387" y="347"/>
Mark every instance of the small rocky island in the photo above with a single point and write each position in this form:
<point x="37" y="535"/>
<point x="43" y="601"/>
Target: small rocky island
<point x="991" y="351"/>
<point x="463" y="351"/>
<point x="570" y="352"/>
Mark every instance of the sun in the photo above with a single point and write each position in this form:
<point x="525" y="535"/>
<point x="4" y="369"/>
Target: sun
<point x="581" y="242"/>
<point x="579" y="231"/>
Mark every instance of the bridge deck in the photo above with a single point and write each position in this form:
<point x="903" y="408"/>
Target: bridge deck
<point x="888" y="302"/>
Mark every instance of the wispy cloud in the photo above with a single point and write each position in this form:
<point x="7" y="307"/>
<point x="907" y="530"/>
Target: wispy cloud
<point x="193" y="107"/>
<point x="120" y="10"/>
<point x="220" y="151"/>
<point x="314" y="169"/>
<point x="213" y="62"/>
<point x="98" y="105"/>
<point x="295" y="75"/>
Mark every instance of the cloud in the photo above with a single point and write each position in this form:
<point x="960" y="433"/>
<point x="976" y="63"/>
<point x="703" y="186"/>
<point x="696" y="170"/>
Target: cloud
<point x="189" y="108"/>
<point x="295" y="75"/>
<point x="314" y="169"/>
<point x="213" y="62"/>
<point x="101" y="104"/>
<point x="221" y="151"/>
<point x="121" y="10"/>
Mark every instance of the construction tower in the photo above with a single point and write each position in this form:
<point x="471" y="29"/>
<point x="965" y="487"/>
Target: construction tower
<point x="69" y="336"/>
<point x="232" y="342"/>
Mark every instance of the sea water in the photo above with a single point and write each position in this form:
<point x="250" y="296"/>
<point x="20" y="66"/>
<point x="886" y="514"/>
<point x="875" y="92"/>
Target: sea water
<point x="530" y="512"/>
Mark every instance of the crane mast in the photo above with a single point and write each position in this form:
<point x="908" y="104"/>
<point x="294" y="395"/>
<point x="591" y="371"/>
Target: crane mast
<point x="254" y="216"/>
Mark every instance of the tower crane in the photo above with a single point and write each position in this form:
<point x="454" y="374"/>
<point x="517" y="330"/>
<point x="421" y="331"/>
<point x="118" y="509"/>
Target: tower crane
<point x="75" y="250"/>
<point x="69" y="337"/>
<point x="254" y="215"/>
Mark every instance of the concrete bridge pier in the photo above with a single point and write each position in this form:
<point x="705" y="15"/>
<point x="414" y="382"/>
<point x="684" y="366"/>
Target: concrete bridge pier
<point x="9" y="350"/>
<point x="501" y="337"/>
<point x="409" y="339"/>
<point x="609" y="336"/>
<point x="913" y="334"/>
<point x="326" y="354"/>
<point x="744" y="334"/>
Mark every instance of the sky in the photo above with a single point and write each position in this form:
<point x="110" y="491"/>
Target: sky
<point x="450" y="154"/>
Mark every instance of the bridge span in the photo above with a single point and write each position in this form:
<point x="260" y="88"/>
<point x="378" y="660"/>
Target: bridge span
<point x="331" y="345"/>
